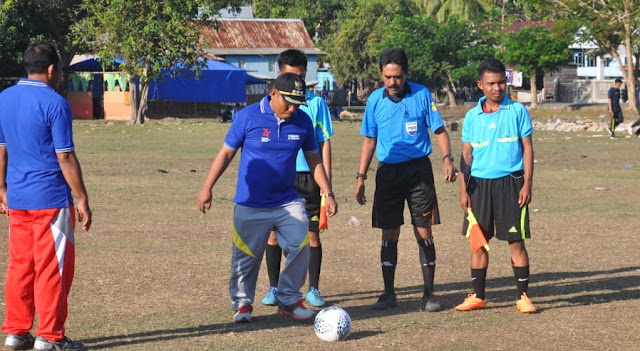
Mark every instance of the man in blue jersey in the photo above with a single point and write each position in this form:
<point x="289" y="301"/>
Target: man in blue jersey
<point x="295" y="61"/>
<point x="38" y="173"/>
<point x="497" y="174"/>
<point x="270" y="134"/>
<point x="396" y="125"/>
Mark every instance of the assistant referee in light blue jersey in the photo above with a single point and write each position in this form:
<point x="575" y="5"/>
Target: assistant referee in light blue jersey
<point x="497" y="175"/>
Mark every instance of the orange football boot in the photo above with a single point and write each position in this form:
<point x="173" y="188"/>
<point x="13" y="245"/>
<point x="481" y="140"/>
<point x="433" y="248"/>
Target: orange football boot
<point x="525" y="305"/>
<point x="471" y="303"/>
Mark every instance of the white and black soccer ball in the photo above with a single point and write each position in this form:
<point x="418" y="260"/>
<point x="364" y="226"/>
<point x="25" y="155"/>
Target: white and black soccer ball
<point x="332" y="324"/>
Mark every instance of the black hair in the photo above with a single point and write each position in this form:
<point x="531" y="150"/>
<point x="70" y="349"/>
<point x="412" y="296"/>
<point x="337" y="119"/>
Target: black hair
<point x="39" y="56"/>
<point x="293" y="58"/>
<point x="490" y="65"/>
<point x="397" y="56"/>
<point x="618" y="80"/>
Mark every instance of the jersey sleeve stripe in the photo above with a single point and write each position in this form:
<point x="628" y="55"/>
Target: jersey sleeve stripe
<point x="230" y="147"/>
<point x="67" y="149"/>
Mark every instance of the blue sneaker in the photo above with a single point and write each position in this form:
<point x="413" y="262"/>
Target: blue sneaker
<point x="314" y="298"/>
<point x="271" y="299"/>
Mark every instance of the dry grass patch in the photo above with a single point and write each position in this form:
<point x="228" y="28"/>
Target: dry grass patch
<point x="152" y="274"/>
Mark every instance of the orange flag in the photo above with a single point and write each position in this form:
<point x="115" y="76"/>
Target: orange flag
<point x="323" y="223"/>
<point x="474" y="233"/>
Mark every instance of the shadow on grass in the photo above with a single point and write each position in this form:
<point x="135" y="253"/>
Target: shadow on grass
<point x="555" y="289"/>
<point x="259" y="323"/>
<point x="551" y="289"/>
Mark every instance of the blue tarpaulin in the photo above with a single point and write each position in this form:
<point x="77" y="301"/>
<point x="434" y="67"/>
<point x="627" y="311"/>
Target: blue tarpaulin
<point x="218" y="82"/>
<point x="93" y="64"/>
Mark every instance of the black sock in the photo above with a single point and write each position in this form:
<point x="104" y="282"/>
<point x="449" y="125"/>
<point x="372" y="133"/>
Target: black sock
<point x="388" y="260"/>
<point x="315" y="260"/>
<point x="522" y="279"/>
<point x="274" y="257"/>
<point x="427" y="254"/>
<point x="478" y="277"/>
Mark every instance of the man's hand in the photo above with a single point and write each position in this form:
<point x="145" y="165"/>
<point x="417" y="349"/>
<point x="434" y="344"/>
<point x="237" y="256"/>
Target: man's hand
<point x="360" y="192"/>
<point x="84" y="214"/>
<point x="450" y="171"/>
<point x="524" y="197"/>
<point x="331" y="205"/>
<point x="3" y="201"/>
<point x="204" y="200"/>
<point x="465" y="201"/>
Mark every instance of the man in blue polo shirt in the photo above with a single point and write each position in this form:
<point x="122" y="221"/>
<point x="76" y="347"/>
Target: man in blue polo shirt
<point x="396" y="125"/>
<point x="38" y="173"/>
<point x="270" y="134"/>
<point x="497" y="174"/>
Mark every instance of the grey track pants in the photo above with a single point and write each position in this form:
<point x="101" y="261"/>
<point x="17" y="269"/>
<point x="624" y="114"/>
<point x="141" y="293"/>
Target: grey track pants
<point x="250" y="234"/>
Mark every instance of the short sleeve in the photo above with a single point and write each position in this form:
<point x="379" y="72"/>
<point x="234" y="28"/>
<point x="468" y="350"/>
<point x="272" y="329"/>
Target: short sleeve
<point x="60" y="121"/>
<point x="467" y="126"/>
<point x="369" y="126"/>
<point x="237" y="132"/>
<point x="324" y="125"/>
<point x="433" y="118"/>
<point x="3" y="141"/>
<point x="309" y="144"/>
<point x="525" y="126"/>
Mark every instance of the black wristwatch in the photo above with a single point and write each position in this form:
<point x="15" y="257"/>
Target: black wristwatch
<point x="448" y="156"/>
<point x="330" y="195"/>
<point x="360" y="175"/>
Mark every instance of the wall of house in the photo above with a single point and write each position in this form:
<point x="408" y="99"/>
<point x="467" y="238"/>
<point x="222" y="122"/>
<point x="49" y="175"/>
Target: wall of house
<point x="583" y="91"/>
<point x="259" y="65"/>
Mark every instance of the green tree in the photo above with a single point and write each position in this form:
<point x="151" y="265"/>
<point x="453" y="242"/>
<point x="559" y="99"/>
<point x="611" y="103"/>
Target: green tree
<point x="350" y="45"/>
<point x="536" y="51"/>
<point x="319" y="16"/>
<point x="149" y="35"/>
<point x="609" y="23"/>
<point x="24" y="21"/>
<point x="440" y="54"/>
<point x="468" y="10"/>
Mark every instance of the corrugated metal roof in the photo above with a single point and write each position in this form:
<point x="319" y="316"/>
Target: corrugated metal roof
<point x="257" y="34"/>
<point x="260" y="51"/>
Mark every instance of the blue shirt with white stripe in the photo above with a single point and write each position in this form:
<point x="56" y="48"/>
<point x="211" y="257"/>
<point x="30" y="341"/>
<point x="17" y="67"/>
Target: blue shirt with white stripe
<point x="318" y="110"/>
<point x="496" y="138"/>
<point x="35" y="124"/>
<point x="267" y="171"/>
<point x="401" y="128"/>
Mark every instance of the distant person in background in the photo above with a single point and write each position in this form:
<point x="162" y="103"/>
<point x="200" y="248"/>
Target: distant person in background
<point x="636" y="123"/>
<point x="226" y="114"/>
<point x="295" y="61"/>
<point x="38" y="173"/>
<point x="615" y="111"/>
<point x="234" y="113"/>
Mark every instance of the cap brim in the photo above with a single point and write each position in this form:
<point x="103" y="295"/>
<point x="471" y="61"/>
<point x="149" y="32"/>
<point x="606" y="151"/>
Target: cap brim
<point x="294" y="100"/>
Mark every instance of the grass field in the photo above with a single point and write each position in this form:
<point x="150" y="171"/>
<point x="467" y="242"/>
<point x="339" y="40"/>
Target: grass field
<point x="152" y="274"/>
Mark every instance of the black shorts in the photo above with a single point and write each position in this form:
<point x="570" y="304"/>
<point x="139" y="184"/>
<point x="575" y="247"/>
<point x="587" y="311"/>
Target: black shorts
<point x="410" y="181"/>
<point x="310" y="191"/>
<point x="495" y="205"/>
